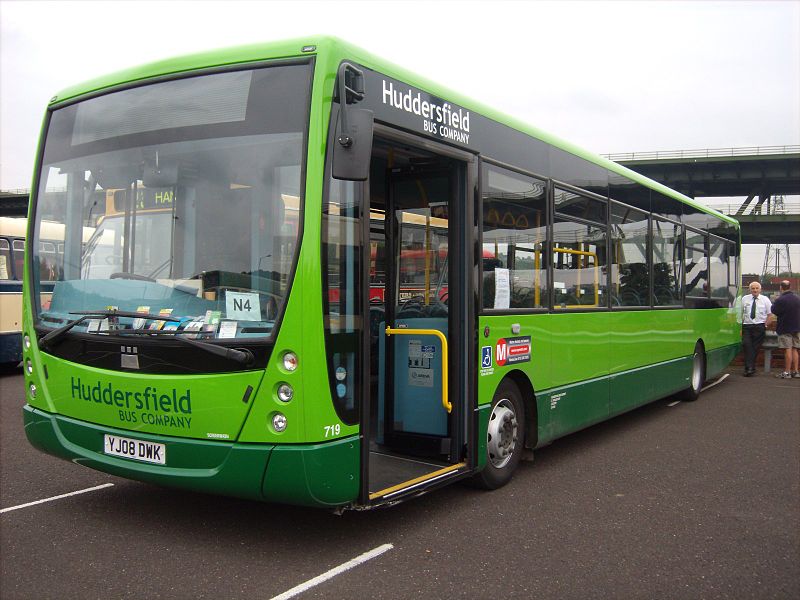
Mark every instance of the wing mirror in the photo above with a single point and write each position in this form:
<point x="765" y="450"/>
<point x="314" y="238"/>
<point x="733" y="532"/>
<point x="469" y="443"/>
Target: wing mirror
<point x="352" y="144"/>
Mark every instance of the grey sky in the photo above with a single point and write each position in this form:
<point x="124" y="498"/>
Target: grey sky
<point x="609" y="76"/>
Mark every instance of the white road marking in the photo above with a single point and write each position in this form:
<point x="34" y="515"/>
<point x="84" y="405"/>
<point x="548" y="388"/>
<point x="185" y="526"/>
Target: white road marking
<point x="92" y="489"/>
<point x="718" y="381"/>
<point x="708" y="387"/>
<point x="299" y="589"/>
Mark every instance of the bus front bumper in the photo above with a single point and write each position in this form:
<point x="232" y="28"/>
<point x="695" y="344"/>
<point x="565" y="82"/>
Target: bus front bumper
<point x="323" y="475"/>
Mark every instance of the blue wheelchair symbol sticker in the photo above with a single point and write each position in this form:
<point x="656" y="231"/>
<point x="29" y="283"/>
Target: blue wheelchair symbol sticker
<point x="486" y="357"/>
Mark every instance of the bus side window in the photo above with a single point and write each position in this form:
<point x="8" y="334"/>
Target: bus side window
<point x="667" y="252"/>
<point x="514" y="235"/>
<point x="5" y="259"/>
<point x="579" y="265"/>
<point x="718" y="267"/>
<point x="19" y="257"/>
<point x="696" y="265"/>
<point x="630" y="273"/>
<point x="733" y="273"/>
<point x="579" y="251"/>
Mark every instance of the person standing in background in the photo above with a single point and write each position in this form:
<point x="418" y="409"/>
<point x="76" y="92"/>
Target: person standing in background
<point x="755" y="309"/>
<point x="787" y="309"/>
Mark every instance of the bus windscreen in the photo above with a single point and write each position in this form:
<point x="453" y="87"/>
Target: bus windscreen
<point x="193" y="213"/>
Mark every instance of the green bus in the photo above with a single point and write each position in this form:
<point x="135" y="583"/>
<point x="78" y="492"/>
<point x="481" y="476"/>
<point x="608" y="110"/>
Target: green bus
<point x="256" y="295"/>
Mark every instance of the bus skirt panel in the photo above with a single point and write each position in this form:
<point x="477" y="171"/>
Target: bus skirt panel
<point x="215" y="467"/>
<point x="313" y="475"/>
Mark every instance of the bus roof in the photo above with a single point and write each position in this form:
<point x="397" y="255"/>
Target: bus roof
<point x="333" y="50"/>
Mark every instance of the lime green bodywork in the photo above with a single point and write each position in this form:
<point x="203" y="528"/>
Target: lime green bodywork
<point x="587" y="367"/>
<point x="583" y="368"/>
<point x="252" y="471"/>
<point x="218" y="414"/>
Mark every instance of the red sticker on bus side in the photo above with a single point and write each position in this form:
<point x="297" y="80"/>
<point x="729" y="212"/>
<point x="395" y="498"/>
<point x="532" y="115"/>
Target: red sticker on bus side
<point x="513" y="350"/>
<point x="501" y="352"/>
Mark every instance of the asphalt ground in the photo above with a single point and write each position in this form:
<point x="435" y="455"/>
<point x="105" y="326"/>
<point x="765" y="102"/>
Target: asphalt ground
<point x="693" y="500"/>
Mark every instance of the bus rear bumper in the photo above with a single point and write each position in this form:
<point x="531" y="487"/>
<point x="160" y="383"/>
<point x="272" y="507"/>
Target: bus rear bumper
<point x="312" y="475"/>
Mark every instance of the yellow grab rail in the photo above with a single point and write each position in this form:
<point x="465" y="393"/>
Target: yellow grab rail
<point x="394" y="331"/>
<point x="596" y="275"/>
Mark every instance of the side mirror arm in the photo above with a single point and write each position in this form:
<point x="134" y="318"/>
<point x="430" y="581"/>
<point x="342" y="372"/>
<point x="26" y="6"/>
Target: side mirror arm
<point x="348" y="94"/>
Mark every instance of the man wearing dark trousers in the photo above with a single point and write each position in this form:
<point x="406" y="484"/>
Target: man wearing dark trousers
<point x="787" y="309"/>
<point x="755" y="309"/>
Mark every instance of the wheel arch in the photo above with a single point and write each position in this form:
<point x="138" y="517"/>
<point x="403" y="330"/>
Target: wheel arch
<point x="525" y="387"/>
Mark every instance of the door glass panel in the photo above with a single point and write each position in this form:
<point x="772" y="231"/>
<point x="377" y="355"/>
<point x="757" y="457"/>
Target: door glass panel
<point x="422" y="265"/>
<point x="341" y="242"/>
<point x="421" y="282"/>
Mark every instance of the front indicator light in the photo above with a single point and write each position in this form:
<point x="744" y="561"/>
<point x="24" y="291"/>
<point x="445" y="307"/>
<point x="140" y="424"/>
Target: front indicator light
<point x="285" y="392"/>
<point x="33" y="390"/>
<point x="29" y="367"/>
<point x="27" y="341"/>
<point x="290" y="361"/>
<point x="279" y="422"/>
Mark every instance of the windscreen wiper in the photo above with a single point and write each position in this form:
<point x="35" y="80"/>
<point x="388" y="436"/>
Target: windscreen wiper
<point x="57" y="334"/>
<point x="242" y="356"/>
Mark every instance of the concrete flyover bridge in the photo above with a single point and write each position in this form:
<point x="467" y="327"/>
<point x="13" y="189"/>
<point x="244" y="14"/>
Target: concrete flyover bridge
<point x="13" y="203"/>
<point x="761" y="175"/>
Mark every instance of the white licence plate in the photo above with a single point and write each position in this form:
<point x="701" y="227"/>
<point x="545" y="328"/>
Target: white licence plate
<point x="135" y="449"/>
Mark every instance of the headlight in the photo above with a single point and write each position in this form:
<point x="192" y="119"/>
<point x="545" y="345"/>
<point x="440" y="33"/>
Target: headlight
<point x="290" y="361"/>
<point x="33" y="390"/>
<point x="285" y="392"/>
<point x="279" y="422"/>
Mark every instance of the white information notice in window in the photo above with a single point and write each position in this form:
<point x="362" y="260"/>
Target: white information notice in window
<point x="242" y="306"/>
<point x="502" y="288"/>
<point x="227" y="329"/>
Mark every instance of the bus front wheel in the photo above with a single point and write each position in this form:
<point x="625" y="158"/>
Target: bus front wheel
<point x="505" y="437"/>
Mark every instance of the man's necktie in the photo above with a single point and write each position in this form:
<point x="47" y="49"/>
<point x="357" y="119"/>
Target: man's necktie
<point x="753" y="309"/>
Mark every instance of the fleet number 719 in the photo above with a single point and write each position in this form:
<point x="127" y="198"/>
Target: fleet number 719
<point x="332" y="430"/>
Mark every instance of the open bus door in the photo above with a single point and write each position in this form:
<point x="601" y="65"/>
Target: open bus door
<point x="419" y="400"/>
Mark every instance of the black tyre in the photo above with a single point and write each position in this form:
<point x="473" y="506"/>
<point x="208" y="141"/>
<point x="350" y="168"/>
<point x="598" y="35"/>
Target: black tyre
<point x="691" y="393"/>
<point x="505" y="437"/>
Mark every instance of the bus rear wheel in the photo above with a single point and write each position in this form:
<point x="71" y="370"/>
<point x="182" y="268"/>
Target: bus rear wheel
<point x="505" y="437"/>
<point x="692" y="393"/>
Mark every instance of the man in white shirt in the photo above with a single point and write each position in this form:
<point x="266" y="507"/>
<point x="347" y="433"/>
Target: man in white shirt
<point x="755" y="309"/>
